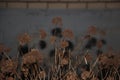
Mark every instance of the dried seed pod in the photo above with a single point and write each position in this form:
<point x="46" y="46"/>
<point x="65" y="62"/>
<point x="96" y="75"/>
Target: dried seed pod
<point x="70" y="45"/>
<point x="43" y="34"/>
<point x="8" y="66"/>
<point x="3" y="48"/>
<point x="24" y="38"/>
<point x="52" y="39"/>
<point x="23" y="49"/>
<point x="56" y="32"/>
<point x="57" y="21"/>
<point x="42" y="44"/>
<point x="64" y="61"/>
<point x="68" y="33"/>
<point x="64" y="44"/>
<point x="92" y="42"/>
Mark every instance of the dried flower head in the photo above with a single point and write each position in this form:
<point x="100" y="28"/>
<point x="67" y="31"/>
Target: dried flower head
<point x="52" y="39"/>
<point x="91" y="43"/>
<point x="92" y="30"/>
<point x="42" y="44"/>
<point x="3" y="48"/>
<point x="64" y="61"/>
<point x="71" y="76"/>
<point x="103" y="59"/>
<point x="24" y="38"/>
<point x="57" y="21"/>
<point x="32" y="57"/>
<point x="8" y="66"/>
<point x="68" y="33"/>
<point x="109" y="60"/>
<point x="64" y="44"/>
<point x="56" y="32"/>
<point x="85" y="75"/>
<point x="43" y="34"/>
<point x="70" y="45"/>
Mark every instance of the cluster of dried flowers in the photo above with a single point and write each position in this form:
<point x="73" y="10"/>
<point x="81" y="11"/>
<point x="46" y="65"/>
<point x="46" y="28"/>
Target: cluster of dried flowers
<point x="62" y="64"/>
<point x="24" y="38"/>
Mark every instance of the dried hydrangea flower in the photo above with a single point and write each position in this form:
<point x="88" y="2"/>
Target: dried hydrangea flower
<point x="92" y="30"/>
<point x="8" y="66"/>
<point x="43" y="34"/>
<point x="68" y="33"/>
<point x="24" y="38"/>
<point x="56" y="32"/>
<point x="64" y="61"/>
<point x="52" y="39"/>
<point x="42" y="44"/>
<point x="3" y="48"/>
<point x="57" y="21"/>
<point x="64" y="44"/>
<point x="91" y="43"/>
<point x="70" y="45"/>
